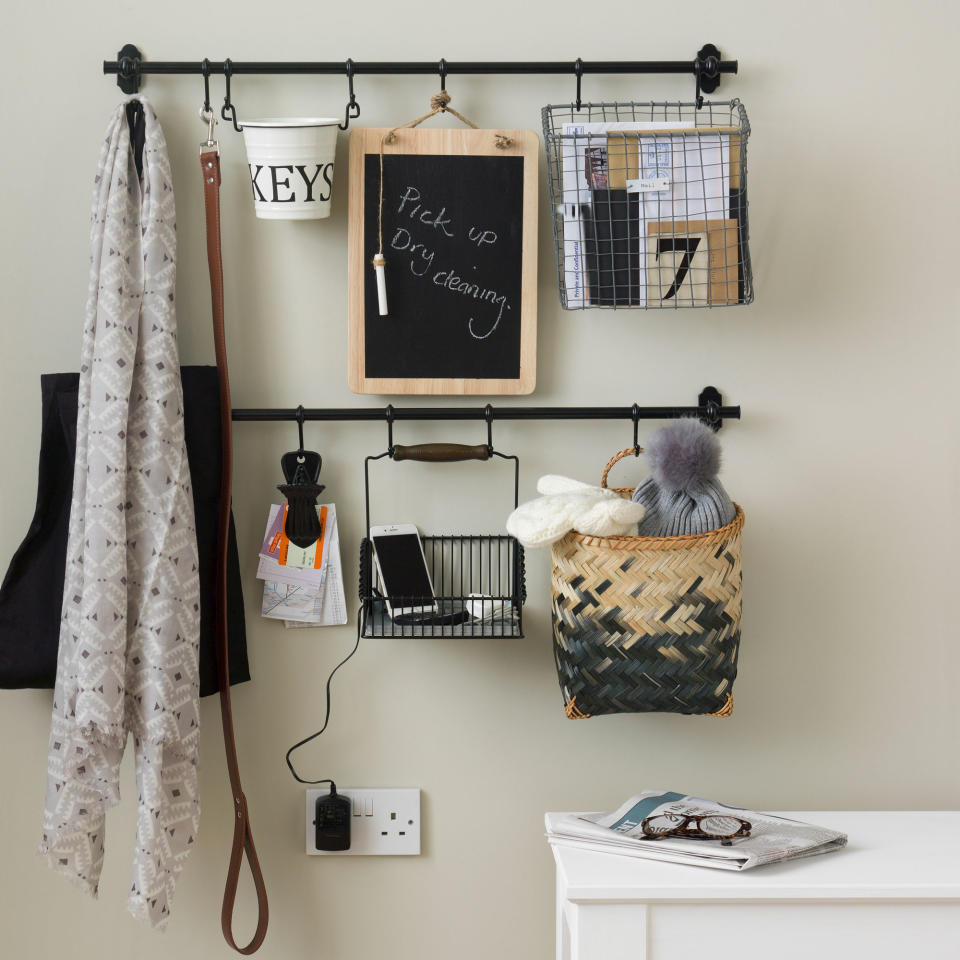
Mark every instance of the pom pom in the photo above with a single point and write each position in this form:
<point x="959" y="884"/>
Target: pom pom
<point x="683" y="455"/>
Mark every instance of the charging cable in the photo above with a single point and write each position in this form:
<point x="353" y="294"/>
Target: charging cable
<point x="326" y="720"/>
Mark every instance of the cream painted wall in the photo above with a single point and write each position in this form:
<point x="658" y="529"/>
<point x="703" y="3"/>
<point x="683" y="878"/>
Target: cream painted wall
<point x="846" y="460"/>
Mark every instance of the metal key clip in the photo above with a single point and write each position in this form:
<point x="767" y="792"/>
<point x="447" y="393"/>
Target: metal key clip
<point x="210" y="119"/>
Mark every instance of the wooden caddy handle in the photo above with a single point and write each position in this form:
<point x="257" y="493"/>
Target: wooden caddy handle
<point x="441" y="452"/>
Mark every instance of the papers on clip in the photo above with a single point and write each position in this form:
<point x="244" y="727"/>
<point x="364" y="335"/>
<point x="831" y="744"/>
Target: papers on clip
<point x="303" y="587"/>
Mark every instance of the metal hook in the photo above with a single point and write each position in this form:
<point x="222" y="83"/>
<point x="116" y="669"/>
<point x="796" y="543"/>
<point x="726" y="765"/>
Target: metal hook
<point x="698" y="96"/>
<point x="300" y="426"/>
<point x="442" y="69"/>
<point x="205" y="70"/>
<point x="227" y="103"/>
<point x="353" y="108"/>
<point x="635" y="415"/>
<point x="210" y="119"/>
<point x="488" y="416"/>
<point x="578" y="70"/>
<point x="207" y="115"/>
<point x="388" y="413"/>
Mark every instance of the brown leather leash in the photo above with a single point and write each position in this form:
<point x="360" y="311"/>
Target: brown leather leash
<point x="242" y="837"/>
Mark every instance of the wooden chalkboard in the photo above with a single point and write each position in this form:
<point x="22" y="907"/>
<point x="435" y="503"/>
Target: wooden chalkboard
<point x="460" y="241"/>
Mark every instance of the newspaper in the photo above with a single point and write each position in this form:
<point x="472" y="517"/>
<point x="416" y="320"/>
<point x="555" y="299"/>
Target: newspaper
<point x="771" y="840"/>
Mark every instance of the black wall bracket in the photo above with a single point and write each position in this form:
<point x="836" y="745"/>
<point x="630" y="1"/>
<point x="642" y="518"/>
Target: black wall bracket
<point x="710" y="402"/>
<point x="708" y="57"/>
<point x="128" y="68"/>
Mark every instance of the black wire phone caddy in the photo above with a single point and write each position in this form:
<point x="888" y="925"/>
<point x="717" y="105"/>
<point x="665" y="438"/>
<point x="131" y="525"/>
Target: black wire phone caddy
<point x="478" y="578"/>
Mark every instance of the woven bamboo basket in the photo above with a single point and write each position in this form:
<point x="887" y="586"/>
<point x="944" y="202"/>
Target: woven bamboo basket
<point x="647" y="624"/>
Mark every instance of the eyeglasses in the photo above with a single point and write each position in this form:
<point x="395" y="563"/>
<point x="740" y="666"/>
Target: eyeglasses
<point x="705" y="827"/>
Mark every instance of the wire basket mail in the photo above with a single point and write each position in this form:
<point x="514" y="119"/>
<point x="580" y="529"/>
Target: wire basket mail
<point x="649" y="204"/>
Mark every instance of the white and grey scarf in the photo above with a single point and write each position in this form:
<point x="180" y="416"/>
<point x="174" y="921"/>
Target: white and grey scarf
<point x="131" y="602"/>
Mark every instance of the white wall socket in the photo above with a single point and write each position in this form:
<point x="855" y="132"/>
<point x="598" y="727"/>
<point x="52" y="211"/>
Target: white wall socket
<point x="383" y="821"/>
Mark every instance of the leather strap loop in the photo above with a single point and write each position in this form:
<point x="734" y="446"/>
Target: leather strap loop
<point x="242" y="836"/>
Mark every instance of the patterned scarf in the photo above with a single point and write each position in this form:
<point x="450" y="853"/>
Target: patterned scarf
<point x="131" y="602"/>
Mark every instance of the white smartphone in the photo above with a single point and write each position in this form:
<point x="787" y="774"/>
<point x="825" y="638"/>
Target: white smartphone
<point x="403" y="569"/>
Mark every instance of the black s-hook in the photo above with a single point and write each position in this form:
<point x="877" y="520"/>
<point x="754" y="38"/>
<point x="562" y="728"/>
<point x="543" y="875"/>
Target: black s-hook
<point x="388" y="416"/>
<point x="205" y="70"/>
<point x="300" y="419"/>
<point x="227" y="103"/>
<point x="698" y="96"/>
<point x="706" y="71"/>
<point x="442" y="70"/>
<point x="353" y="108"/>
<point x="578" y="70"/>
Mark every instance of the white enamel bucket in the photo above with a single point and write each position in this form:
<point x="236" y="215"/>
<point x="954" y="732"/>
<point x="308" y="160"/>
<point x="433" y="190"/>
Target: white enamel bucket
<point x="291" y="166"/>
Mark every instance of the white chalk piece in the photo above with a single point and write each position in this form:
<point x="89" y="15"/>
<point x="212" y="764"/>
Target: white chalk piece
<point x="378" y="264"/>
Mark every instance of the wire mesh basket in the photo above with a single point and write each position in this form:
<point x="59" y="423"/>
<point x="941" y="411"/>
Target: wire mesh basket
<point x="649" y="204"/>
<point x="478" y="590"/>
<point x="478" y="580"/>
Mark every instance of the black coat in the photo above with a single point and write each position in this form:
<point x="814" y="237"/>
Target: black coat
<point x="32" y="591"/>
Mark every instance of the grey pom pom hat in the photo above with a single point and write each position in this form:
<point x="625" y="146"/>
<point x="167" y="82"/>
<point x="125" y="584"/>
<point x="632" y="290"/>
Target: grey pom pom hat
<point x="682" y="495"/>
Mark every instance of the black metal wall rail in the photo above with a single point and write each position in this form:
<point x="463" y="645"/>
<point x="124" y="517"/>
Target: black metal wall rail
<point x="710" y="409"/>
<point x="130" y="66"/>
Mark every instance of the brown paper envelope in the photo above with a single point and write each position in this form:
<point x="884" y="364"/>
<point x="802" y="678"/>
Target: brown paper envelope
<point x="623" y="159"/>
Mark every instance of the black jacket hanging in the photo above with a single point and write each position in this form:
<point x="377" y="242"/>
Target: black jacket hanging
<point x="32" y="591"/>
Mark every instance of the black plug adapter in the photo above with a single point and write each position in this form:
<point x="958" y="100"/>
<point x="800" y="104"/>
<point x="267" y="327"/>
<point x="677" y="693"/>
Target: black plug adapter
<point x="332" y="821"/>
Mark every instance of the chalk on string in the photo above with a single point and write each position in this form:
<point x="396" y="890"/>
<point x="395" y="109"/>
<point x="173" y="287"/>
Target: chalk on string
<point x="378" y="264"/>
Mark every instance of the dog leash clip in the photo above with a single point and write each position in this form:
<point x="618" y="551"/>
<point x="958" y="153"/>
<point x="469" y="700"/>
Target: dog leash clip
<point x="210" y="144"/>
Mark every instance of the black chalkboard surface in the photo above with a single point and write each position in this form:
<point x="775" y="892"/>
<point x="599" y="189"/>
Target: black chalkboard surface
<point x="458" y="250"/>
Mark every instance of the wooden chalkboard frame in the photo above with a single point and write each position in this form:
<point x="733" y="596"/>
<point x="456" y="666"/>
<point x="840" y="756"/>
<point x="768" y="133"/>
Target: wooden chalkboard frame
<point x="447" y="142"/>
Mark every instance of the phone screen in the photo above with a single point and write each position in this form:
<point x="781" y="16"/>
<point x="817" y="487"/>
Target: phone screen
<point x="402" y="567"/>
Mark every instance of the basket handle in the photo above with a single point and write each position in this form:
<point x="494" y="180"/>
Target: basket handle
<point x="441" y="452"/>
<point x="636" y="451"/>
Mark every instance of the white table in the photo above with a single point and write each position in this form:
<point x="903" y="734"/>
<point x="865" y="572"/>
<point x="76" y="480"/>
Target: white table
<point x="893" y="892"/>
